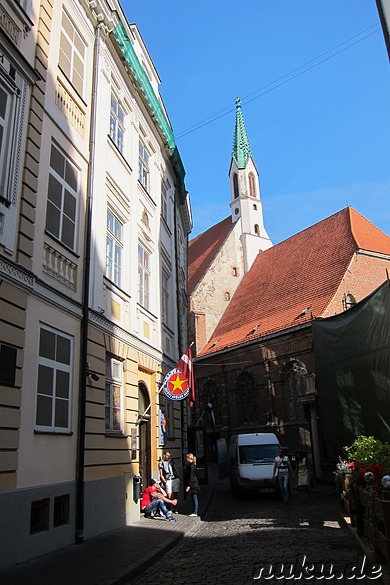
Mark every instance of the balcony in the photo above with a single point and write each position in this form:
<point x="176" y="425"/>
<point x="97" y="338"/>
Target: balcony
<point x="59" y="267"/>
<point x="70" y="108"/>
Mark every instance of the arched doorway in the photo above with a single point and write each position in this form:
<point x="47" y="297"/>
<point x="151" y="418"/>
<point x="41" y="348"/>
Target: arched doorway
<point x="144" y="434"/>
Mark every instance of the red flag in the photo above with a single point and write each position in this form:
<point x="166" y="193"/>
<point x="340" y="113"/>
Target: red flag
<point x="184" y="365"/>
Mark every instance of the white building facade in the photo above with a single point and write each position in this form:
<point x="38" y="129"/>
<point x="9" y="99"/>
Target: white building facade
<point x="93" y="252"/>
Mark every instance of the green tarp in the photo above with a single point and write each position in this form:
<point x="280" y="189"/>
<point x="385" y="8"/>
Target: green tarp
<point x="352" y="357"/>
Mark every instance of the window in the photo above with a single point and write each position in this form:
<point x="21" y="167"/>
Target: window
<point x="227" y="296"/>
<point x="143" y="166"/>
<point x="164" y="298"/>
<point x="114" y="246"/>
<point x="16" y="79"/>
<point x="235" y="271"/>
<point x="235" y="185"/>
<point x="248" y="398"/>
<point x="72" y="54"/>
<point x="170" y="413"/>
<point x="39" y="515"/>
<point x="113" y="412"/>
<point x="348" y="301"/>
<point x="54" y="380"/>
<point x="164" y="202"/>
<point x="294" y="383"/>
<point x="143" y="276"/>
<point x="6" y="100"/>
<point x="61" y="510"/>
<point x="61" y="210"/>
<point x="257" y="231"/>
<point x="9" y="126"/>
<point x="214" y="407"/>
<point x="117" y="120"/>
<point x="252" y="191"/>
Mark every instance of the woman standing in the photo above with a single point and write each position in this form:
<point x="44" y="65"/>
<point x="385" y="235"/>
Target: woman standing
<point x="191" y="483"/>
<point x="303" y="475"/>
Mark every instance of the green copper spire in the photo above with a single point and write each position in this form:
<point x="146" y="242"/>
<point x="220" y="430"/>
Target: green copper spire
<point x="241" y="148"/>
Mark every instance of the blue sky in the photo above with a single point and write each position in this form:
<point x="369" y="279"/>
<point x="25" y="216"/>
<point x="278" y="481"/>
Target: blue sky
<point x="314" y="81"/>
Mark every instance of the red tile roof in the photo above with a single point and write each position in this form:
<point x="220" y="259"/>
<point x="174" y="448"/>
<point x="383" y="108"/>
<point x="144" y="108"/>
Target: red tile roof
<point x="203" y="249"/>
<point x="296" y="279"/>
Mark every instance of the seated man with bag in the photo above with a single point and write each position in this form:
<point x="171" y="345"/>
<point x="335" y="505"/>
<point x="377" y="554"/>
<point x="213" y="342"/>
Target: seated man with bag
<point x="153" y="501"/>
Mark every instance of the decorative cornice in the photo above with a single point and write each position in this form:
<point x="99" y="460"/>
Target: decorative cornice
<point x="124" y="336"/>
<point x="16" y="273"/>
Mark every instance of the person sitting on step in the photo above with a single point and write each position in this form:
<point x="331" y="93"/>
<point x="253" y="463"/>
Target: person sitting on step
<point x="153" y="501"/>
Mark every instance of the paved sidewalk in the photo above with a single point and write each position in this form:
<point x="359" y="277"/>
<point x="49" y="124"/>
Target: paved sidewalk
<point x="113" y="558"/>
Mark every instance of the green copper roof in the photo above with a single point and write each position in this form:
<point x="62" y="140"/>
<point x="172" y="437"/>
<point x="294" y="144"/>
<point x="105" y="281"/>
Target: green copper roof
<point x="152" y="100"/>
<point x="241" y="148"/>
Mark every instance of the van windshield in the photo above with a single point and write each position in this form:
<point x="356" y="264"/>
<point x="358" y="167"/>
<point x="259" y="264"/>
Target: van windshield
<point x="258" y="453"/>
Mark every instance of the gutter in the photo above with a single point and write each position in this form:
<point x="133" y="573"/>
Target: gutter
<point x="306" y="325"/>
<point x="79" y="536"/>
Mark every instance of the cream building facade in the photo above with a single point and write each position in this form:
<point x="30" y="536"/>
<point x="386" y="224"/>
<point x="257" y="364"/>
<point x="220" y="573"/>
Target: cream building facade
<point x="93" y="250"/>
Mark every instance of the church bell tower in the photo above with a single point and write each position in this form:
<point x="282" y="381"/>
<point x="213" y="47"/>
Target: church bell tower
<point x="246" y="205"/>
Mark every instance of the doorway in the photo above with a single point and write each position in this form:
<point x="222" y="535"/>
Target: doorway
<point x="144" y="435"/>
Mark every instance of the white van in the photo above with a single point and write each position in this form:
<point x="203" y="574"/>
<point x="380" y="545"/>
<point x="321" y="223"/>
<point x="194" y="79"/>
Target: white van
<point x="251" y="462"/>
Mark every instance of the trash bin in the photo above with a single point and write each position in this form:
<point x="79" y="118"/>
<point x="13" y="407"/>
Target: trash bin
<point x="137" y="485"/>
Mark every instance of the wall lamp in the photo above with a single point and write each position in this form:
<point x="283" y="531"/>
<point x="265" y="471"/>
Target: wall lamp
<point x="93" y="375"/>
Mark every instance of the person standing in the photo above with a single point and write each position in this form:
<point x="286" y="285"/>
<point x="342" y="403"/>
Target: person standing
<point x="191" y="483"/>
<point x="169" y="477"/>
<point x="303" y="476"/>
<point x="282" y="466"/>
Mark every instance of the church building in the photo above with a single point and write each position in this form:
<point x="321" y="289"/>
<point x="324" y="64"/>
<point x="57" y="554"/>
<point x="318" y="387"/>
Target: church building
<point x="255" y="366"/>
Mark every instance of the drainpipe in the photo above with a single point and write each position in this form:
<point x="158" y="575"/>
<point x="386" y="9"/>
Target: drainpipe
<point x="84" y="322"/>
<point x="178" y="322"/>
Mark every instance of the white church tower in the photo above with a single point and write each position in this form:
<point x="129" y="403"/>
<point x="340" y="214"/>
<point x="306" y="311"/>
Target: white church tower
<point x="246" y="205"/>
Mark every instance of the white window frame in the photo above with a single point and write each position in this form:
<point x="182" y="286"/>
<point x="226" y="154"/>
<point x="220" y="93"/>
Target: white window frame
<point x="117" y="122"/>
<point x="76" y="55"/>
<point x="114" y="248"/>
<point x="58" y="368"/>
<point x="6" y="124"/>
<point x="164" y="202"/>
<point x="143" y="166"/>
<point x="165" y="286"/>
<point x="144" y="276"/>
<point x="114" y="381"/>
<point x="67" y="191"/>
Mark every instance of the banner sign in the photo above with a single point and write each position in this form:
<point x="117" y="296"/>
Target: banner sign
<point x="175" y="385"/>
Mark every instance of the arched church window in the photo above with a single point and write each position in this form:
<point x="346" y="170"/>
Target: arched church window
<point x="235" y="185"/>
<point x="235" y="271"/>
<point x="248" y="398"/>
<point x="252" y="191"/>
<point x="254" y="207"/>
<point x="227" y="296"/>
<point x="294" y="383"/>
<point x="212" y="402"/>
<point x="257" y="230"/>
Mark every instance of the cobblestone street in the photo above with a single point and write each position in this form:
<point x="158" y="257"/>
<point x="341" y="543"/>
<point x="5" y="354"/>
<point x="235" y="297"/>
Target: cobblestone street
<point x="239" y="537"/>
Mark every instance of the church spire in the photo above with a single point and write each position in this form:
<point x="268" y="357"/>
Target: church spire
<point x="241" y="147"/>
